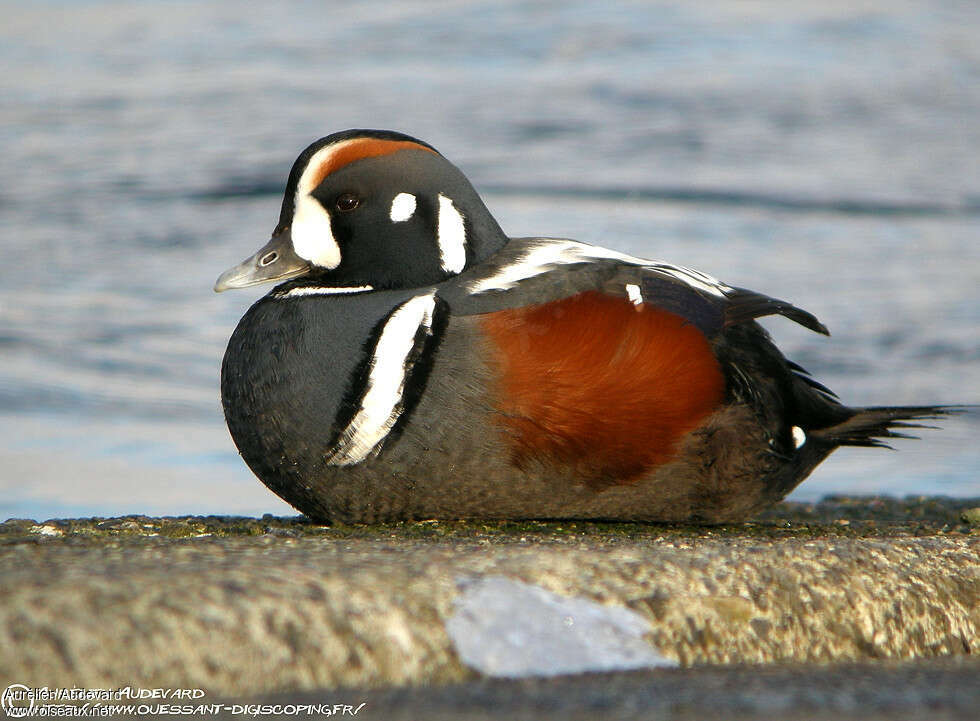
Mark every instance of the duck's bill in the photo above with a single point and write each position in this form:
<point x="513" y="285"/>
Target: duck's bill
<point x="274" y="261"/>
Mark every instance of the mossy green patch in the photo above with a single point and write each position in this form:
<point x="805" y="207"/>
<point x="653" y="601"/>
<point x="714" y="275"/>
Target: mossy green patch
<point x="838" y="516"/>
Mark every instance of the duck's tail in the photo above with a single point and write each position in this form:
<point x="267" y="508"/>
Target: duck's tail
<point x="871" y="427"/>
<point x="836" y="425"/>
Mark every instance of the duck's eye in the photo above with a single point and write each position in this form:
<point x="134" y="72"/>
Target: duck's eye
<point x="347" y="202"/>
<point x="269" y="258"/>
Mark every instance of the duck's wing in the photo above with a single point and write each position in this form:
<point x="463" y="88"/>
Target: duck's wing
<point x="531" y="271"/>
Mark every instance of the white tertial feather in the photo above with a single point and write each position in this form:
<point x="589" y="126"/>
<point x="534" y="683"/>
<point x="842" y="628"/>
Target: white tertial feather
<point x="381" y="403"/>
<point x="452" y="236"/>
<point x="539" y="258"/>
<point x="693" y="278"/>
<point x="402" y="207"/>
<point x="548" y="253"/>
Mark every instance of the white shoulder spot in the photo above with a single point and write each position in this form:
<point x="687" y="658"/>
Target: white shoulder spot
<point x="452" y="236"/>
<point x="390" y="365"/>
<point x="799" y="436"/>
<point x="402" y="207"/>
<point x="634" y="294"/>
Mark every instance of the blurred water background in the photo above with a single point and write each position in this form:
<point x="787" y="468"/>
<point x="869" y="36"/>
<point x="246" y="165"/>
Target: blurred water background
<point x="823" y="152"/>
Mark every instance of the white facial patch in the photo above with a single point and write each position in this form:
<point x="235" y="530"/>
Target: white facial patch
<point x="452" y="236"/>
<point x="381" y="404"/>
<point x="312" y="234"/>
<point x="402" y="207"/>
<point x="311" y="230"/>
<point x="548" y="253"/>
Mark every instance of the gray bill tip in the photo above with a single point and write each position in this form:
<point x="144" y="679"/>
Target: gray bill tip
<point x="274" y="261"/>
<point x="226" y="280"/>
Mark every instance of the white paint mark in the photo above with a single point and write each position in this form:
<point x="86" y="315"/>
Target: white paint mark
<point x="452" y="236"/>
<point x="380" y="406"/>
<point x="799" y="437"/>
<point x="319" y="290"/>
<point x="510" y="629"/>
<point x="547" y="253"/>
<point x="633" y="293"/>
<point x="402" y="207"/>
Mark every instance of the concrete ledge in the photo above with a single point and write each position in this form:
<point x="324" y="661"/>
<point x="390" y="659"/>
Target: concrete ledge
<point x="257" y="606"/>
<point x="923" y="690"/>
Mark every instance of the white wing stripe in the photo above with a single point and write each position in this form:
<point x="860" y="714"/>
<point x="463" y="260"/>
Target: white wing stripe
<point x="549" y="253"/>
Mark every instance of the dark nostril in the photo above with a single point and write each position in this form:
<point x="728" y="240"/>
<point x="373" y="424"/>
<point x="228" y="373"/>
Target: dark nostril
<point x="269" y="258"/>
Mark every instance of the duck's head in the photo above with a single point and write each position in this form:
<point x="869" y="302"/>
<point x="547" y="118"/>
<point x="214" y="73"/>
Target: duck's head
<point x="375" y="210"/>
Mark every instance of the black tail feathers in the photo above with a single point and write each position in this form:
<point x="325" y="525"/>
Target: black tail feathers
<point x="869" y="426"/>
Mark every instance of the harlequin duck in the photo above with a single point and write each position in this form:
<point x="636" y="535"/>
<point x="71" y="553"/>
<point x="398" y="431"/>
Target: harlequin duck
<point x="415" y="362"/>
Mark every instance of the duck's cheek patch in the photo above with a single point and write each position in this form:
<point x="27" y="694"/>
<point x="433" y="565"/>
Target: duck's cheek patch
<point x="312" y="234"/>
<point x="402" y="207"/>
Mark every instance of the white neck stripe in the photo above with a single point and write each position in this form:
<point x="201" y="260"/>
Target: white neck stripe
<point x="320" y="290"/>
<point x="451" y="236"/>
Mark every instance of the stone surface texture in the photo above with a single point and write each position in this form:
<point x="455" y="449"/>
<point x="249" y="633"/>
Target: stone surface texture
<point x="266" y="606"/>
